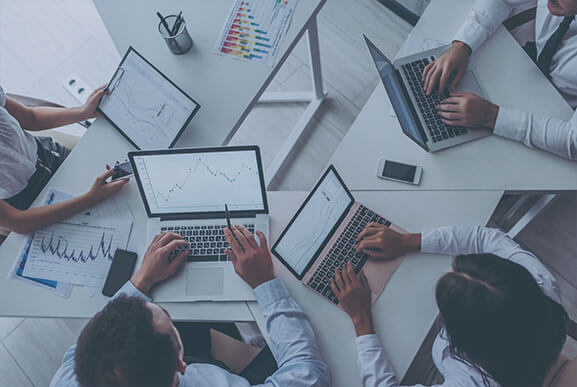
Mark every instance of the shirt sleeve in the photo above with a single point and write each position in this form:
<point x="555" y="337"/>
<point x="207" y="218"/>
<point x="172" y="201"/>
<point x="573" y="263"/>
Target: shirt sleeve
<point x="65" y="375"/>
<point x="291" y="339"/>
<point x="550" y="134"/>
<point x="484" y="19"/>
<point x="454" y="240"/>
<point x="374" y="367"/>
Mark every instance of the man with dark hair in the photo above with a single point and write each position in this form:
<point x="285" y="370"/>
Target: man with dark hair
<point x="133" y="342"/>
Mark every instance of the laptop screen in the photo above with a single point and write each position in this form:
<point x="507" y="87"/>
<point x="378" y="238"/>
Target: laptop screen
<point x="398" y="95"/>
<point x="200" y="181"/>
<point x="314" y="223"/>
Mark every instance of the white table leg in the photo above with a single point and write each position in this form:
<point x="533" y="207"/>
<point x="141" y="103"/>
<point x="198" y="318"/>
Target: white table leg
<point x="314" y="98"/>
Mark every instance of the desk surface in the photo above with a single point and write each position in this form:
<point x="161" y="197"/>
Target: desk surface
<point x="406" y="309"/>
<point x="225" y="88"/>
<point x="489" y="163"/>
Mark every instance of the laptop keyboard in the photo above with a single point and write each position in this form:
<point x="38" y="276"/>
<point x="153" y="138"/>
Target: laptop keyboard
<point x="207" y="243"/>
<point x="343" y="251"/>
<point x="437" y="128"/>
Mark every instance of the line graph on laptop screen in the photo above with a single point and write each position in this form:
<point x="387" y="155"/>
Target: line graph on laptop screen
<point x="200" y="182"/>
<point x="314" y="223"/>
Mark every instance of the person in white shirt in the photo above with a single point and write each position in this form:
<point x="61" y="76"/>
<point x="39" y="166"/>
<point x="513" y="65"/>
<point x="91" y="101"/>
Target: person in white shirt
<point x="133" y="342"/>
<point x="503" y="324"/>
<point x="28" y="162"/>
<point x="555" y="53"/>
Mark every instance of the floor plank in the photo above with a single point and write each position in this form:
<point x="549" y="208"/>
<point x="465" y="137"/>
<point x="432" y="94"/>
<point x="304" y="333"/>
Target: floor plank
<point x="10" y="373"/>
<point x="37" y="345"/>
<point x="7" y="325"/>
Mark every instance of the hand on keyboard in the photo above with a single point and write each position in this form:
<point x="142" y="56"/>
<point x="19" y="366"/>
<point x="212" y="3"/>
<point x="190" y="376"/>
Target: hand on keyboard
<point x="354" y="295"/>
<point x="448" y="69"/>
<point x="380" y="242"/>
<point x="468" y="110"/>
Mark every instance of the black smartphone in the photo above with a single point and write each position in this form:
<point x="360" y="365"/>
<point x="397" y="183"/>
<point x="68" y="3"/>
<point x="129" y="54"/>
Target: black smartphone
<point x="119" y="272"/>
<point x="122" y="170"/>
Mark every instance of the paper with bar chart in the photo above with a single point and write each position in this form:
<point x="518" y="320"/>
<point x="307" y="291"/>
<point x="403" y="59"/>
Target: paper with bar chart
<point x="200" y="182"/>
<point x="77" y="251"/>
<point x="254" y="30"/>
<point x="144" y="105"/>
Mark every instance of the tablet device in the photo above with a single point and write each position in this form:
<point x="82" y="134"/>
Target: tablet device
<point x="144" y="105"/>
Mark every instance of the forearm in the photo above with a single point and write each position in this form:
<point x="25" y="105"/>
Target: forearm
<point x="42" y="118"/>
<point x="291" y="338"/>
<point x="35" y="218"/>
<point x="551" y="134"/>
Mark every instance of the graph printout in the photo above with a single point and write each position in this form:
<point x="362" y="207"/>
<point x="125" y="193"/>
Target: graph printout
<point x="314" y="223"/>
<point x="77" y="251"/>
<point x="200" y="182"/>
<point x="254" y="30"/>
<point x="145" y="106"/>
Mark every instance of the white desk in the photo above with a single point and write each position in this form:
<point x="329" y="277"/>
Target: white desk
<point x="406" y="309"/>
<point x="225" y="88"/>
<point x="489" y="163"/>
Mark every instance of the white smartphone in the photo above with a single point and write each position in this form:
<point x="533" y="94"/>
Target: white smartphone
<point x="122" y="171"/>
<point x="404" y="173"/>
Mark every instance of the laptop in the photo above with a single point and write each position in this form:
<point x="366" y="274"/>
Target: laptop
<point x="322" y="237"/>
<point x="185" y="191"/>
<point x="415" y="110"/>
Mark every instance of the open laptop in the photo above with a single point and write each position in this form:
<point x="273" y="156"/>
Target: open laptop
<point x="322" y="237"/>
<point x="414" y="109"/>
<point x="184" y="191"/>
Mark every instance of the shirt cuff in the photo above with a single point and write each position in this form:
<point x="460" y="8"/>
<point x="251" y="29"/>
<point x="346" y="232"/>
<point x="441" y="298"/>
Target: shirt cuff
<point x="471" y="34"/>
<point x="511" y="124"/>
<point x="429" y="241"/>
<point x="367" y="342"/>
<point x="131" y="291"/>
<point x="270" y="292"/>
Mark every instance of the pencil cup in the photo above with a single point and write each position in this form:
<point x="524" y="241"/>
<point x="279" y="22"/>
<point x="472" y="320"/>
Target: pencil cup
<point x="180" y="42"/>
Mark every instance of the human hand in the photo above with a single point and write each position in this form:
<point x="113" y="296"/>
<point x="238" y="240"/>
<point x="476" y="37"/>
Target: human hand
<point x="156" y="265"/>
<point x="451" y="66"/>
<point x="88" y="110"/>
<point x="101" y="190"/>
<point x="354" y="296"/>
<point x="251" y="262"/>
<point x="469" y="110"/>
<point x="379" y="241"/>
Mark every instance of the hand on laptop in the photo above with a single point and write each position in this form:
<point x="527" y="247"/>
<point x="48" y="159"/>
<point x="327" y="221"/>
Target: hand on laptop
<point x="379" y="241"/>
<point x="469" y="110"/>
<point x="156" y="266"/>
<point x="448" y="69"/>
<point x="354" y="296"/>
<point x="251" y="262"/>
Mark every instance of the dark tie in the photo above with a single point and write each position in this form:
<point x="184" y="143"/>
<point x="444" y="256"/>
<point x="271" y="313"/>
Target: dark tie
<point x="544" y="61"/>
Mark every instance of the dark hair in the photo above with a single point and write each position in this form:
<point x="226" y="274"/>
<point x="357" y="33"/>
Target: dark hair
<point x="499" y="321"/>
<point x="120" y="347"/>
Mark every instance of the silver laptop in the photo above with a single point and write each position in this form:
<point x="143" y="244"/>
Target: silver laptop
<point x="414" y="109"/>
<point x="321" y="237"/>
<point x="184" y="191"/>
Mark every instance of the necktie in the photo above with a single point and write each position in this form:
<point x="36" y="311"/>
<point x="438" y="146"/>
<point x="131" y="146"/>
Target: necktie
<point x="544" y="61"/>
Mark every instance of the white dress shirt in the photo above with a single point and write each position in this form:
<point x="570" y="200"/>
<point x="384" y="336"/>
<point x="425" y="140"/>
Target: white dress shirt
<point x="553" y="135"/>
<point x="17" y="153"/>
<point x="374" y="367"/>
<point x="291" y="340"/>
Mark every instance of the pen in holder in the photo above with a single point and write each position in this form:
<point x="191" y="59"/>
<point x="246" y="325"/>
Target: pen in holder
<point x="173" y="30"/>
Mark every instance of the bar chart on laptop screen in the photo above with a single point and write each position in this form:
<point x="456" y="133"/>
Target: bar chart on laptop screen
<point x="201" y="182"/>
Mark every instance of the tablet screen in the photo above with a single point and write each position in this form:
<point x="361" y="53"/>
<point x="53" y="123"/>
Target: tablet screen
<point x="145" y="106"/>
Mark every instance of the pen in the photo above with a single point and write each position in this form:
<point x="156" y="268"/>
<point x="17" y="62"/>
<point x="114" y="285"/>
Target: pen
<point x="176" y="25"/>
<point x="227" y="214"/>
<point x="163" y="21"/>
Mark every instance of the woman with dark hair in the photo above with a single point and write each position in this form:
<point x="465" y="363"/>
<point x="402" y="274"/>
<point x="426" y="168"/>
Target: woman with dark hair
<point x="503" y="324"/>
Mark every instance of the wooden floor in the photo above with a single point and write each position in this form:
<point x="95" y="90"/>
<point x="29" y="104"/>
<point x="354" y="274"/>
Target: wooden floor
<point x="57" y="38"/>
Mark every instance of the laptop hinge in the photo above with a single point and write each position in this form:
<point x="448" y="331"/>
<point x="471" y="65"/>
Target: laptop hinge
<point x="216" y="215"/>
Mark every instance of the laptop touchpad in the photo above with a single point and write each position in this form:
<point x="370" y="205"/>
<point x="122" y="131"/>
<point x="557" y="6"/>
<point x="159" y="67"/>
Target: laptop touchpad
<point x="205" y="281"/>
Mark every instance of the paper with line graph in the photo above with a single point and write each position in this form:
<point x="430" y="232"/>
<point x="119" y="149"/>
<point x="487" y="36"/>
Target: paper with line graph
<point x="144" y="105"/>
<point x="77" y="251"/>
<point x="200" y="182"/>
<point x="254" y="30"/>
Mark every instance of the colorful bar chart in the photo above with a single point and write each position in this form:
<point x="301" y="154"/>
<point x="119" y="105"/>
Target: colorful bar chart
<point x="254" y="30"/>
